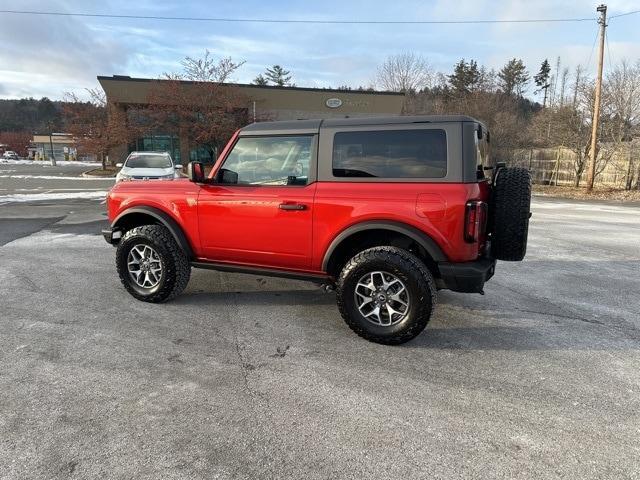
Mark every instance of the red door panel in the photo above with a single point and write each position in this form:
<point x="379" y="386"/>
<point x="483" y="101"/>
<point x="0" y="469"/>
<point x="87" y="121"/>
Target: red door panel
<point x="257" y="225"/>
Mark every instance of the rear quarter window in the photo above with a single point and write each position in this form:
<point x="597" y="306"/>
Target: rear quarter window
<point x="390" y="154"/>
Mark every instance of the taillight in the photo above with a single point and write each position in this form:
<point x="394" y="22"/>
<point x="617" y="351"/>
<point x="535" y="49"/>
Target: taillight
<point x="475" y="220"/>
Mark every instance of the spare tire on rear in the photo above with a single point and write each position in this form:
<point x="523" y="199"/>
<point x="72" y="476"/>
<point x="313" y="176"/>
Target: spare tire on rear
<point x="509" y="213"/>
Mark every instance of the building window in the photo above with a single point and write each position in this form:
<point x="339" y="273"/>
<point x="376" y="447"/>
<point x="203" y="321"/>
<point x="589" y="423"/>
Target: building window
<point x="158" y="143"/>
<point x="203" y="154"/>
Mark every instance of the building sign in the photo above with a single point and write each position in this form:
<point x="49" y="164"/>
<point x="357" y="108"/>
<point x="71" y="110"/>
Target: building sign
<point x="333" y="102"/>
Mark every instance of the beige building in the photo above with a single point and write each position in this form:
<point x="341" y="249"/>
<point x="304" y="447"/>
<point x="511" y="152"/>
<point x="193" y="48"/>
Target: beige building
<point x="277" y="103"/>
<point x="61" y="145"/>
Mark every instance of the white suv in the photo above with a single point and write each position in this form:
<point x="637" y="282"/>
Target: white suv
<point x="148" y="166"/>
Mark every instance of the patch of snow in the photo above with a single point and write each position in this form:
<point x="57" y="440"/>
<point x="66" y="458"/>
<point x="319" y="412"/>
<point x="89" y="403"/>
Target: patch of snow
<point x="46" y="163"/>
<point x="54" y="177"/>
<point x="38" y="197"/>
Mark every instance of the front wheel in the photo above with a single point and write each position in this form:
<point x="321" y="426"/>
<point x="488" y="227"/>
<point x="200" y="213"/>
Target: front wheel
<point x="151" y="265"/>
<point x="386" y="295"/>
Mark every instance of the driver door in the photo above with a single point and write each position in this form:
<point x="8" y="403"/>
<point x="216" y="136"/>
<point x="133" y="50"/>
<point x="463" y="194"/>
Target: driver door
<point x="259" y="212"/>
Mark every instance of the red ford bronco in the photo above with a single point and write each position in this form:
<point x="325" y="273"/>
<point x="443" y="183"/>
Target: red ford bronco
<point x="388" y="210"/>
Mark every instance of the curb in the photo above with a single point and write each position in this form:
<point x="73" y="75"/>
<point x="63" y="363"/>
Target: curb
<point x="87" y="174"/>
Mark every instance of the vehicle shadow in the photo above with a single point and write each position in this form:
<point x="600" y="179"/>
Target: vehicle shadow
<point x="513" y="316"/>
<point x="264" y="297"/>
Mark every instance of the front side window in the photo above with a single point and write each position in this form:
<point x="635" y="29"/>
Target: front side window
<point x="278" y="160"/>
<point x="390" y="154"/>
<point x="148" y="161"/>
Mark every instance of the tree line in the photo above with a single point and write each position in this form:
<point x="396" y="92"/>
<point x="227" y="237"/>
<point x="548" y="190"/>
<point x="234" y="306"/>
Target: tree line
<point x="498" y="98"/>
<point x="212" y="109"/>
<point x="19" y="119"/>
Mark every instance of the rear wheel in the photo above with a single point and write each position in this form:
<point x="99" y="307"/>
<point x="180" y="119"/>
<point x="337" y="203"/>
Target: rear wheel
<point x="386" y="295"/>
<point x="151" y="265"/>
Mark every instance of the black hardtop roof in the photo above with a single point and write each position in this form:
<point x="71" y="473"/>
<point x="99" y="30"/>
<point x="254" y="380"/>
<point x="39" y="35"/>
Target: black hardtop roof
<point x="309" y="126"/>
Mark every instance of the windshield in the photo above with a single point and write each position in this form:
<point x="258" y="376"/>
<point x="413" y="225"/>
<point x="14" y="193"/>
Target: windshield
<point x="148" y="161"/>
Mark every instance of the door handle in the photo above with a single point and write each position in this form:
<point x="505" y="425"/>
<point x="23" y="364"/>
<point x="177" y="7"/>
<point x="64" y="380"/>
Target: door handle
<point x="292" y="206"/>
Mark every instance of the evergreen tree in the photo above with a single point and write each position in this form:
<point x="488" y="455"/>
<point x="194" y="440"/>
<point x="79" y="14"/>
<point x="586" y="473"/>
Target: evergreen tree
<point x="278" y="76"/>
<point x="513" y="78"/>
<point x="542" y="80"/>
<point x="260" y="80"/>
<point x="465" y="77"/>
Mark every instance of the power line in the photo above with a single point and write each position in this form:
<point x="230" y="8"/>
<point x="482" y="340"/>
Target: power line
<point x="593" y="47"/>
<point x="274" y="20"/>
<point x="609" y="56"/>
<point x="624" y="14"/>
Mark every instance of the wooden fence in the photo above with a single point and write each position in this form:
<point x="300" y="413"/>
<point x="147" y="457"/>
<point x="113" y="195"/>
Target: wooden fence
<point x="556" y="166"/>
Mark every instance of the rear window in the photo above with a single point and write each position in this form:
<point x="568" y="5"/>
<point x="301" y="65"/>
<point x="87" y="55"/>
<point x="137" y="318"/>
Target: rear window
<point x="390" y="154"/>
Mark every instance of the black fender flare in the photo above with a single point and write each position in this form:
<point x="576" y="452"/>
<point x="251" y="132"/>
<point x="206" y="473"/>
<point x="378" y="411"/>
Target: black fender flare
<point x="163" y="219"/>
<point x="421" y="238"/>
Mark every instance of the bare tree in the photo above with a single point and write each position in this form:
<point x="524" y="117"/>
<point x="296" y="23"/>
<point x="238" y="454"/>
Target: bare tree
<point x="208" y="68"/>
<point x="203" y="114"/>
<point x="96" y="125"/>
<point x="17" y="141"/>
<point x="621" y="112"/>
<point x="554" y="83"/>
<point x="563" y="85"/>
<point x="404" y="72"/>
<point x="578" y="78"/>
<point x="568" y="125"/>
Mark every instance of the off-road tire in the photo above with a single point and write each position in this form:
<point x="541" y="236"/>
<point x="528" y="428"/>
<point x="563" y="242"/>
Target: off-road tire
<point x="411" y="271"/>
<point x="509" y="214"/>
<point x="176" y="268"/>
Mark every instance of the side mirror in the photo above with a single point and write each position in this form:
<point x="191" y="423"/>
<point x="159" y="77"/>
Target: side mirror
<point x="119" y="165"/>
<point x="177" y="166"/>
<point x="227" y="176"/>
<point x="195" y="172"/>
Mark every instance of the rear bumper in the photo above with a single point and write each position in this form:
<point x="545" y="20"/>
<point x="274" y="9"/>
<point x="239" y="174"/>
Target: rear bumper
<point x="468" y="277"/>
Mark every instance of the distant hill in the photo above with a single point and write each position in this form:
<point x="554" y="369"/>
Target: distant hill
<point x="30" y="114"/>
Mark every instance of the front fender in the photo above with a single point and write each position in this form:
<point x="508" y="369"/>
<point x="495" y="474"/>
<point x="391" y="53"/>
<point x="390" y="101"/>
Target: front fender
<point x="125" y="219"/>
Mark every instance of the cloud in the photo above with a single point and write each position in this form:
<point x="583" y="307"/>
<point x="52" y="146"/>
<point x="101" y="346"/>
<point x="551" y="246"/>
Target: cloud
<point x="55" y="50"/>
<point x="44" y="55"/>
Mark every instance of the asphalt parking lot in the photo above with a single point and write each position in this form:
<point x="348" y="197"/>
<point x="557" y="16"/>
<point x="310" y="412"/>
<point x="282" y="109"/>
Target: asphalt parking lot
<point x="251" y="377"/>
<point x="38" y="181"/>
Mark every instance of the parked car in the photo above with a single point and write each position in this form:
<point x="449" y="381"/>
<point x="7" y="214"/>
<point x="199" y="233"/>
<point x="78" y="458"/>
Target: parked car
<point x="10" y="155"/>
<point x="148" y="166"/>
<point x="386" y="210"/>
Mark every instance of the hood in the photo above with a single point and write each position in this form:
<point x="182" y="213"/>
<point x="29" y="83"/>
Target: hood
<point x="147" y="172"/>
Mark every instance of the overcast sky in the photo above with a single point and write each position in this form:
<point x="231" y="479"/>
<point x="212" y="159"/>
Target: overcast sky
<point x="46" y="55"/>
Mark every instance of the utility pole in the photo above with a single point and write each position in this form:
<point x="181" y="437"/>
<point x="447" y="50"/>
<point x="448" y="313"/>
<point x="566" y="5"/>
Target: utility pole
<point x="591" y="174"/>
<point x="53" y="158"/>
